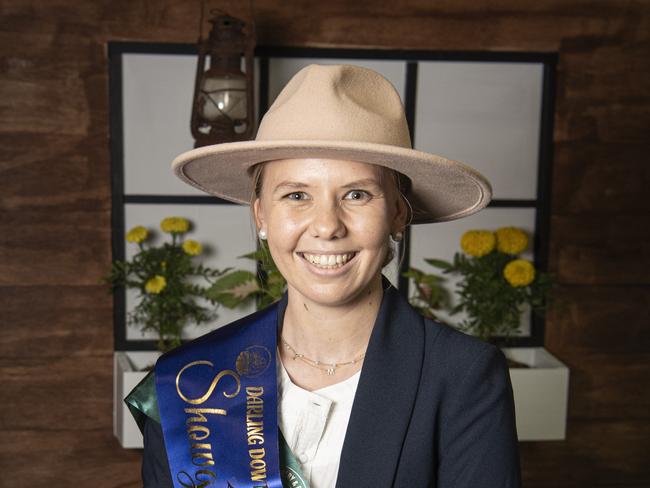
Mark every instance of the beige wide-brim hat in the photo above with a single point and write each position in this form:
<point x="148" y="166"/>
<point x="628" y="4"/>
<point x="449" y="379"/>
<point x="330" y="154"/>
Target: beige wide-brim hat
<point x="339" y="112"/>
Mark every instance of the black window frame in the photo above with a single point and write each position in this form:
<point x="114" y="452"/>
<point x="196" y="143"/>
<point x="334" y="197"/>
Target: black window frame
<point x="541" y="204"/>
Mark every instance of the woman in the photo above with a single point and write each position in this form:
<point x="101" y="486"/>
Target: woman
<point x="367" y="393"/>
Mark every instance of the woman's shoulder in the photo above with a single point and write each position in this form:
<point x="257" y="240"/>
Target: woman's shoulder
<point x="448" y="346"/>
<point x="444" y="345"/>
<point x="444" y="335"/>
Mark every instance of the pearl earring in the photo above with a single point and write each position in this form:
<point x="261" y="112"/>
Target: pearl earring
<point x="262" y="234"/>
<point x="398" y="236"/>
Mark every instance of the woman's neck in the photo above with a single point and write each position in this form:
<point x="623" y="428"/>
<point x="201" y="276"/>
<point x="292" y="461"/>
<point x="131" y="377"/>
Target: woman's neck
<point x="331" y="334"/>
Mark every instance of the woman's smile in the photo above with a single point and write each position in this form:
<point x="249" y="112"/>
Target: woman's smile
<point x="328" y="262"/>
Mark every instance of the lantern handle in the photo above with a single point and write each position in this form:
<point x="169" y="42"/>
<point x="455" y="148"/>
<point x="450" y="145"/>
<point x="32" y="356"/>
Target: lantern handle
<point x="213" y="12"/>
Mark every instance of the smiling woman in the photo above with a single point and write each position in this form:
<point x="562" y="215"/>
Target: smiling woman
<point x="341" y="382"/>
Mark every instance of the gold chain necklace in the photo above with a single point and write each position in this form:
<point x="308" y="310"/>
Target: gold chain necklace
<point x="330" y="368"/>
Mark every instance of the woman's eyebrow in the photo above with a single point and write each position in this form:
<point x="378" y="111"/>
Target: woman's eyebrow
<point x="362" y="182"/>
<point x="289" y="184"/>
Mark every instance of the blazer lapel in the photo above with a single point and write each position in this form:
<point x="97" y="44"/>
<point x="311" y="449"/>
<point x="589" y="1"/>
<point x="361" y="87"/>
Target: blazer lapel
<point x="385" y="396"/>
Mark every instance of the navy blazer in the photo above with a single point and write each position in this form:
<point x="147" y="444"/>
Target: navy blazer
<point x="433" y="408"/>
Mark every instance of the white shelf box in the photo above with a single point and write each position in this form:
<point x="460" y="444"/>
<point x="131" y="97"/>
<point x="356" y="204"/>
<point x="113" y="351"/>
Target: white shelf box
<point x="127" y="373"/>
<point x="540" y="392"/>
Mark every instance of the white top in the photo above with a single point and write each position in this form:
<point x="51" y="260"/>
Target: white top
<point x="314" y="425"/>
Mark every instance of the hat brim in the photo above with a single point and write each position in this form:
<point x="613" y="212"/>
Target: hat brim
<point x="441" y="189"/>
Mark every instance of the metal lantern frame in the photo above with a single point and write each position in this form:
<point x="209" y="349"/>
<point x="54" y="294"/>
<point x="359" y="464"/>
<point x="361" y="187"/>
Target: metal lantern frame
<point x="227" y="43"/>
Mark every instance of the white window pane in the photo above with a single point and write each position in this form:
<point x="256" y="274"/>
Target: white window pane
<point x="225" y="231"/>
<point x="281" y="70"/>
<point x="157" y="107"/>
<point x="442" y="240"/>
<point x="485" y="114"/>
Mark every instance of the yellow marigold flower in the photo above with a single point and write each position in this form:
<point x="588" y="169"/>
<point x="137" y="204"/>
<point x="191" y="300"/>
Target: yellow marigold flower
<point x="175" y="225"/>
<point x="137" y="235"/>
<point x="192" y="247"/>
<point x="156" y="284"/>
<point x="477" y="243"/>
<point x="519" y="272"/>
<point x="511" y="240"/>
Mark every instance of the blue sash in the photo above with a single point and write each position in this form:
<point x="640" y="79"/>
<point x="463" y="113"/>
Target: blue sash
<point x="218" y="406"/>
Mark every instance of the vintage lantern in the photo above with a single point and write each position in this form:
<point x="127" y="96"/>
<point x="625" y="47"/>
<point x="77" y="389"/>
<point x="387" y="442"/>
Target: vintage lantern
<point x="223" y="106"/>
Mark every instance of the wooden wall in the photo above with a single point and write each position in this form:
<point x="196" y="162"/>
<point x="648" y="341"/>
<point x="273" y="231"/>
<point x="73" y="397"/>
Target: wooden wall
<point x="56" y="334"/>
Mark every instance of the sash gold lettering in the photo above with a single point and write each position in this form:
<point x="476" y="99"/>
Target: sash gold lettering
<point x="197" y="431"/>
<point x="213" y="385"/>
<point x="200" y="412"/>
<point x="192" y="432"/>
<point x="203" y="476"/>
<point x="292" y="479"/>
<point x="255" y="431"/>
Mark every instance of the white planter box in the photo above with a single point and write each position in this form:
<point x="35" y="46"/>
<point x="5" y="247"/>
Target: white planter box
<point x="126" y="375"/>
<point x="540" y="392"/>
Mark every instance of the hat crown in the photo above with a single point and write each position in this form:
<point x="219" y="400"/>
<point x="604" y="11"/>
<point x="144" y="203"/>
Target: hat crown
<point x="340" y="112"/>
<point x="337" y="103"/>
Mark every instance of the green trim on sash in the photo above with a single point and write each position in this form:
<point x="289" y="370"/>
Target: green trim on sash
<point x="290" y="472"/>
<point x="143" y="401"/>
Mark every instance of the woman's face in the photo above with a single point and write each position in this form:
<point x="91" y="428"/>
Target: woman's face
<point x="328" y="223"/>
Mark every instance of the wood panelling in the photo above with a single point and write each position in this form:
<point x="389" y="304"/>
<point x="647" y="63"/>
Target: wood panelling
<point x="583" y="318"/>
<point x="598" y="264"/>
<point x="64" y="393"/>
<point x="56" y="325"/>
<point x="69" y="173"/>
<point x="56" y="321"/>
<point x="594" y="454"/>
<point x="77" y="244"/>
<point x="592" y="67"/>
<point x="607" y="387"/>
<point x="601" y="249"/>
<point x="61" y="457"/>
<point x="601" y="179"/>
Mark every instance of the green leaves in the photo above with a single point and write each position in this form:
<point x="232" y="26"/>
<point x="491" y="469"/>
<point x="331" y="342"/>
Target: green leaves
<point x="239" y="286"/>
<point x="430" y="295"/>
<point x="175" y="304"/>
<point x="491" y="305"/>
<point x="439" y="263"/>
<point x="183" y="287"/>
<point x="234" y="289"/>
